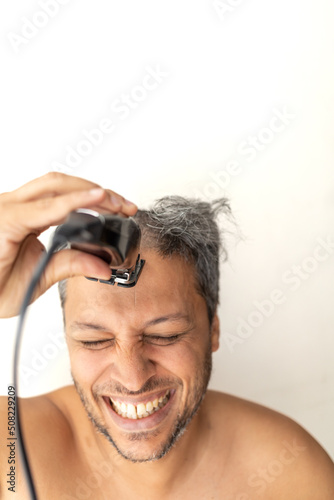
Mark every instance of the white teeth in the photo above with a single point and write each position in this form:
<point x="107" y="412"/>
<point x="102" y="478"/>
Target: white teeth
<point x="149" y="406"/>
<point x="132" y="411"/>
<point x="141" y="410"/>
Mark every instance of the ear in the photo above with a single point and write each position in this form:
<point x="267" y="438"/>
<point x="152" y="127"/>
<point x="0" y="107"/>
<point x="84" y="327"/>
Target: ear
<point x="215" y="334"/>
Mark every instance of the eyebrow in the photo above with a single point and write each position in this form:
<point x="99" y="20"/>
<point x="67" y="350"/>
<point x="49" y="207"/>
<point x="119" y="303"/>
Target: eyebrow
<point x="78" y="325"/>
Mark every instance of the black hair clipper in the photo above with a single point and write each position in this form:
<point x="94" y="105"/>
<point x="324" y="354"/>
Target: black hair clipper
<point x="113" y="238"/>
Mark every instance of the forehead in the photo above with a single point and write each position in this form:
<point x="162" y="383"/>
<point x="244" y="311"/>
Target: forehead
<point x="165" y="286"/>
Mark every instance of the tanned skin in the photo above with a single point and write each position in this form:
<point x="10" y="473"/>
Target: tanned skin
<point x="133" y="346"/>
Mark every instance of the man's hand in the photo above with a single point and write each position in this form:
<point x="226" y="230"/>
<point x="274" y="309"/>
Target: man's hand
<point x="28" y="211"/>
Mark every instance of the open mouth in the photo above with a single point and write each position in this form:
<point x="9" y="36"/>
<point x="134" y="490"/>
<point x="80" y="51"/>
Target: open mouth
<point x="141" y="410"/>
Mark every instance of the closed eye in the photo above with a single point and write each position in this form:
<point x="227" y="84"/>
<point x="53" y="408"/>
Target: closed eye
<point x="93" y="344"/>
<point x="148" y="339"/>
<point x="159" y="340"/>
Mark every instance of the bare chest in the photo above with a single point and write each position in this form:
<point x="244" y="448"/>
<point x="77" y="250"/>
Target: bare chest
<point x="72" y="480"/>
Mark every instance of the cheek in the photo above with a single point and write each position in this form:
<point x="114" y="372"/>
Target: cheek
<point x="181" y="360"/>
<point x="87" y="366"/>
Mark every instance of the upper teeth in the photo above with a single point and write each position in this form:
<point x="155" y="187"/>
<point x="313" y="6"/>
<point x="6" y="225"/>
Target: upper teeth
<point x="141" y="410"/>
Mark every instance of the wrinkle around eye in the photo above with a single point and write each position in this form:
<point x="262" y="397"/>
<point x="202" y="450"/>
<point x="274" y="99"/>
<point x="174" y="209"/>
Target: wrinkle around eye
<point x="165" y="339"/>
<point x="162" y="340"/>
<point x="96" y="344"/>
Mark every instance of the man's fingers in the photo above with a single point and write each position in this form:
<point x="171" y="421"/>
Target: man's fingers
<point x="55" y="184"/>
<point x="24" y="218"/>
<point x="116" y="204"/>
<point x="51" y="184"/>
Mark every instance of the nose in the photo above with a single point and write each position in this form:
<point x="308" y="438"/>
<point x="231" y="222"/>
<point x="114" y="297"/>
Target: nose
<point x="131" y="368"/>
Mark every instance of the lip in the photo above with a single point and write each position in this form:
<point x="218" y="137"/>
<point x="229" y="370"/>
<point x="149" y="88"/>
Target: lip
<point x="142" y="424"/>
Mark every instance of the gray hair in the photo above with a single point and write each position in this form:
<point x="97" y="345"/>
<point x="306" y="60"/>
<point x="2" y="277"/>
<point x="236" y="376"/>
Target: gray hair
<point x="186" y="227"/>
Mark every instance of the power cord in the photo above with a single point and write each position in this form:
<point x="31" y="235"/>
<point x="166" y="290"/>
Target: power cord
<point x="56" y="244"/>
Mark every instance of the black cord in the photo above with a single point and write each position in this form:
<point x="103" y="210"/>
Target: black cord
<point x="55" y="245"/>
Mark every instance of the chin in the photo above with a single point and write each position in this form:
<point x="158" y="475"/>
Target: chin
<point x="148" y="446"/>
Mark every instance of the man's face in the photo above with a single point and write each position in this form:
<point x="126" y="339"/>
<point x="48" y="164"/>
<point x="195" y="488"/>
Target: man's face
<point x="141" y="356"/>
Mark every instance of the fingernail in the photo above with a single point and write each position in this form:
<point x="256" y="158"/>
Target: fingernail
<point x="95" y="192"/>
<point x="115" y="201"/>
<point x="128" y="202"/>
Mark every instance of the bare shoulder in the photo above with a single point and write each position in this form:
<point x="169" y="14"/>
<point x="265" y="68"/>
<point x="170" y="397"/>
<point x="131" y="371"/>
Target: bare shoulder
<point x="55" y="410"/>
<point x="50" y="421"/>
<point x="46" y="423"/>
<point x="49" y="408"/>
<point x="279" y="456"/>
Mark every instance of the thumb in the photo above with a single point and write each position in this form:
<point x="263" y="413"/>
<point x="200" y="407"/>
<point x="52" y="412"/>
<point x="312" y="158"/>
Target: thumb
<point x="68" y="263"/>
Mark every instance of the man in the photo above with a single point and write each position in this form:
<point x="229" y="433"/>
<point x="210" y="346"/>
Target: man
<point x="136" y="424"/>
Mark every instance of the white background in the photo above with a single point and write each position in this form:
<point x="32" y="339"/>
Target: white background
<point x="227" y="74"/>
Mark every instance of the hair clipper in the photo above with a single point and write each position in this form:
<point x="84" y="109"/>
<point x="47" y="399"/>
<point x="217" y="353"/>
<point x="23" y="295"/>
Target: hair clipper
<point x="113" y="238"/>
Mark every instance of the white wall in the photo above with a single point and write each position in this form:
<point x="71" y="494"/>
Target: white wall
<point x="228" y="76"/>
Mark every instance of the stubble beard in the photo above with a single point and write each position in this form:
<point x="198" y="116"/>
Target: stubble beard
<point x="194" y="401"/>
